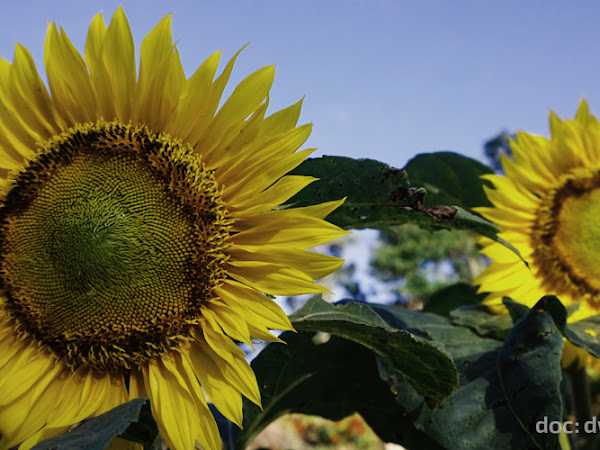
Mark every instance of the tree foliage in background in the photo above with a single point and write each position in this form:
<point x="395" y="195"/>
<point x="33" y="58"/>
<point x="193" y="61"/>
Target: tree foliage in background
<point x="421" y="262"/>
<point x="496" y="146"/>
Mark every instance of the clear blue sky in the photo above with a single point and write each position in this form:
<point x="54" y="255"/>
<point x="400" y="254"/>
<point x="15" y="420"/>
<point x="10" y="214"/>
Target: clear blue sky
<point x="383" y="79"/>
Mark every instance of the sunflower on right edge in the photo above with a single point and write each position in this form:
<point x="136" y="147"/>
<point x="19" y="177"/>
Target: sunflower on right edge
<point x="548" y="207"/>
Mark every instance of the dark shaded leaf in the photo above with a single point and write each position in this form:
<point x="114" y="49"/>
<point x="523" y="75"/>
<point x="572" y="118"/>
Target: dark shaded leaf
<point x="482" y="320"/>
<point x="450" y="179"/>
<point x="479" y="413"/>
<point x="459" y="342"/>
<point x="516" y="310"/>
<point x="324" y="375"/>
<point x="379" y="196"/>
<point x="375" y="191"/>
<point x="452" y="297"/>
<point x="427" y="368"/>
<point x="132" y="420"/>
<point x="529" y="370"/>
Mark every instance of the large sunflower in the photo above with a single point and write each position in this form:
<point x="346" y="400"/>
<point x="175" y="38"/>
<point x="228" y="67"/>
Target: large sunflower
<point x="547" y="206"/>
<point x="140" y="232"/>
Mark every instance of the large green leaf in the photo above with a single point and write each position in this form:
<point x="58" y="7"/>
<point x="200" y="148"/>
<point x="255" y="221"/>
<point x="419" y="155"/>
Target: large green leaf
<point x="459" y="342"/>
<point x="495" y="385"/>
<point x="132" y="421"/>
<point x="379" y="196"/>
<point x="451" y="297"/>
<point x="375" y="191"/>
<point x="529" y="370"/>
<point x="426" y="367"/>
<point x="482" y="320"/>
<point x="450" y="179"/>
<point x="331" y="377"/>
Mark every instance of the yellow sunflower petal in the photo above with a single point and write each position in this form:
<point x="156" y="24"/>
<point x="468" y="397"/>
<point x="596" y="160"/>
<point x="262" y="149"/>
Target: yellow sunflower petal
<point x="136" y="385"/>
<point x="289" y="232"/>
<point x="25" y="415"/>
<point x="237" y="141"/>
<point x="164" y="220"/>
<point x="193" y="108"/>
<point x="234" y="367"/>
<point x="277" y="194"/>
<point x="315" y="265"/>
<point x="22" y="374"/>
<point x="532" y="151"/>
<point x="117" y="394"/>
<point x="17" y="137"/>
<point x="219" y="391"/>
<point x="196" y="139"/>
<point x="172" y="404"/>
<point x="315" y="211"/>
<point x="258" y="177"/>
<point x="71" y="408"/>
<point x="32" y="96"/>
<point x="110" y="57"/>
<point x="274" y="279"/>
<point x="263" y="333"/>
<point x="246" y="98"/>
<point x="68" y="78"/>
<point x="229" y="320"/>
<point x="207" y="432"/>
<point x="506" y="218"/>
<point x="237" y="295"/>
<point x="161" y="78"/>
<point x="282" y="121"/>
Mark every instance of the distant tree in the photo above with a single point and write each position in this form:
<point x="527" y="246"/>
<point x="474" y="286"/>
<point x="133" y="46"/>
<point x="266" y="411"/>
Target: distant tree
<point x="422" y="262"/>
<point x="496" y="146"/>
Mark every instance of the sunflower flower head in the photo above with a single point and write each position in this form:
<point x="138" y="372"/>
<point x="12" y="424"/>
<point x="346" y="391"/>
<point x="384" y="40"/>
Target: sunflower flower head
<point x="547" y="206"/>
<point x="140" y="232"/>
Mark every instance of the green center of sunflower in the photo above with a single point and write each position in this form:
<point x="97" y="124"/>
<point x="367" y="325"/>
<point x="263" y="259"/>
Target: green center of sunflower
<point x="566" y="236"/>
<point x="111" y="241"/>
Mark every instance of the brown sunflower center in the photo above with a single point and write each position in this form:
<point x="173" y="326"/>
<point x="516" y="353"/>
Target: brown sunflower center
<point x="111" y="240"/>
<point x="566" y="236"/>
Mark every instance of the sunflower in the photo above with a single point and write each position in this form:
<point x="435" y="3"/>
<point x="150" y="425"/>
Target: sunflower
<point x="547" y="207"/>
<point x="141" y="234"/>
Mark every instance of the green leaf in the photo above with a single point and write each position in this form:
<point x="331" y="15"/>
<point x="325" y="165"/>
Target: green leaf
<point x="482" y="320"/>
<point x="479" y="414"/>
<point x="450" y="179"/>
<point x="427" y="367"/>
<point x="516" y="310"/>
<point x="459" y="342"/>
<point x="529" y="370"/>
<point x="375" y="191"/>
<point x="325" y="375"/>
<point x="476" y="415"/>
<point x="456" y="218"/>
<point x="132" y="420"/>
<point x="379" y="196"/>
<point x="447" y="299"/>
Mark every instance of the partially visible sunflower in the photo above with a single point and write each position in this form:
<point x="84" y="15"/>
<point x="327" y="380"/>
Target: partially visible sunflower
<point x="140" y="230"/>
<point x="547" y="206"/>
